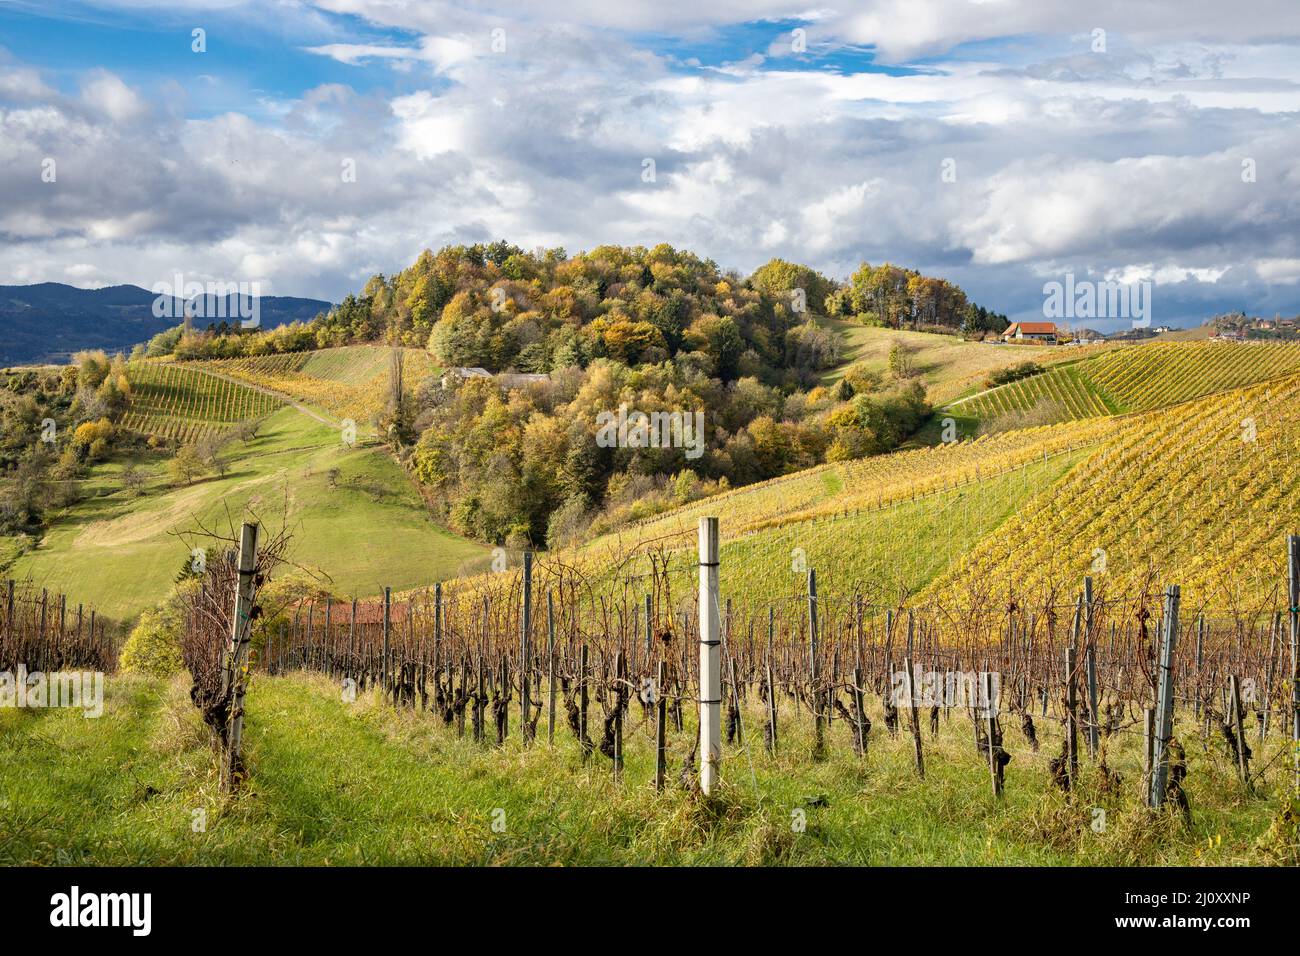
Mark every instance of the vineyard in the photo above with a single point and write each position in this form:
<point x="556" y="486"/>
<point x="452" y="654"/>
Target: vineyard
<point x="871" y="483"/>
<point x="1133" y="379"/>
<point x="349" y="382"/>
<point x="184" y="404"/>
<point x="42" y="632"/>
<point x="1111" y="700"/>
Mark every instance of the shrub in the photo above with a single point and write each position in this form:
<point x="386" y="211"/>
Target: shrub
<point x="154" y="646"/>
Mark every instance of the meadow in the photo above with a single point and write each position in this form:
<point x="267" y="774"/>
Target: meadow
<point x="336" y="783"/>
<point x="357" y="519"/>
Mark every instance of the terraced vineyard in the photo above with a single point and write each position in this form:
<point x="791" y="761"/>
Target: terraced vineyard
<point x="182" y="403"/>
<point x="1165" y="373"/>
<point x="349" y="382"/>
<point x="1068" y="392"/>
<point x="1203" y="492"/>
<point x="872" y="482"/>
<point x="1137" y="378"/>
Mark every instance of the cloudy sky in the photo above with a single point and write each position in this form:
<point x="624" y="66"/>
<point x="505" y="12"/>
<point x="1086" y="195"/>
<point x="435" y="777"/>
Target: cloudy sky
<point x="1000" y="143"/>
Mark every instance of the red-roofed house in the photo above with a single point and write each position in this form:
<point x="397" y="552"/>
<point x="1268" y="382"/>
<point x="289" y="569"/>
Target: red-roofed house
<point x="1030" y="332"/>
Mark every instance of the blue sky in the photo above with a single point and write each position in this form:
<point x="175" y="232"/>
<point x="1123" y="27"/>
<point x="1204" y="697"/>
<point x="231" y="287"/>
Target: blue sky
<point x="1120" y="159"/>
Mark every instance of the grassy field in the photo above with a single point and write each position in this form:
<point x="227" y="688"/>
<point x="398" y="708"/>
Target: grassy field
<point x="949" y="365"/>
<point x="334" y="783"/>
<point x="117" y="552"/>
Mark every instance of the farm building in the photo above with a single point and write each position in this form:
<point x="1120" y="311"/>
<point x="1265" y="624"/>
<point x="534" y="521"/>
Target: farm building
<point x="456" y="372"/>
<point x="1030" y="332"/>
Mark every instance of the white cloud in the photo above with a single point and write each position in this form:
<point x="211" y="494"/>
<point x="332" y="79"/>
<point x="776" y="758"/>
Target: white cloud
<point x="1126" y="163"/>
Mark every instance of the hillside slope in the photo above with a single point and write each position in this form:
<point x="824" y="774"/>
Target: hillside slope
<point x="347" y="382"/>
<point x="1130" y="379"/>
<point x="1201" y="495"/>
<point x="354" y="514"/>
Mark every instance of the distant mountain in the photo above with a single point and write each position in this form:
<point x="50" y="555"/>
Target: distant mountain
<point x="49" y="321"/>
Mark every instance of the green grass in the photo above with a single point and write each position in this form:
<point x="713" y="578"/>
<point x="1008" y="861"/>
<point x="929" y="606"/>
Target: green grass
<point x="337" y="783"/>
<point x="880" y="545"/>
<point x="117" y="552"/>
<point x="948" y="365"/>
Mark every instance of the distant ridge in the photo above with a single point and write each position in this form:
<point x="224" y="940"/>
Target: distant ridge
<point x="48" y="321"/>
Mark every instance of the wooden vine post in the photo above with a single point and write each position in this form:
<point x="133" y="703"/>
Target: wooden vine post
<point x="235" y="676"/>
<point x="815" y="697"/>
<point x="661" y="715"/>
<point x="1071" y="717"/>
<point x="1293" y="592"/>
<point x="383" y="663"/>
<point x="1234" y="704"/>
<point x="994" y="733"/>
<point x="526" y="650"/>
<point x="710" y="658"/>
<point x="550" y="667"/>
<point x="1164" y="728"/>
<point x="771" y="685"/>
<point x="1090" y="675"/>
<point x="914" y="718"/>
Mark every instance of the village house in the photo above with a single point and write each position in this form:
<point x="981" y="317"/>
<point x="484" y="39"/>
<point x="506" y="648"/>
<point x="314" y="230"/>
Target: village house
<point x="504" y="379"/>
<point x="1030" y="332"/>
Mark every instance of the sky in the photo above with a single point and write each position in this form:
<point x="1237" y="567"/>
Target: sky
<point x="307" y="144"/>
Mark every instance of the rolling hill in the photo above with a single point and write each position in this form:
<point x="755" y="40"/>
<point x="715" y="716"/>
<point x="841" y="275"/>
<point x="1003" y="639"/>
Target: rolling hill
<point x="1130" y="379"/>
<point x="355" y="516"/>
<point x="346" y="382"/>
<point x="49" y="321"/>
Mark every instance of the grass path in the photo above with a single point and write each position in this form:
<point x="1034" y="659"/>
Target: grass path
<point x="339" y="783"/>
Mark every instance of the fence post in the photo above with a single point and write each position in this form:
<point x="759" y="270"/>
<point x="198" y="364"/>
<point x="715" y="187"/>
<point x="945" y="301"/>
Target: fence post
<point x="771" y="684"/>
<point x="1200" y="652"/>
<point x="525" y="649"/>
<point x="1234" y="702"/>
<point x="582" y="702"/>
<point x="620" y="676"/>
<point x="383" y="663"/>
<point x="437" y="637"/>
<point x="993" y="733"/>
<point x="1148" y="743"/>
<point x="815" y="701"/>
<point x="661" y="718"/>
<point x="550" y="666"/>
<point x="1090" y="671"/>
<point x="1293" y="591"/>
<point x="710" y="659"/>
<point x="1071" y="716"/>
<point x="649" y="631"/>
<point x="1275" y="634"/>
<point x="1165" y="702"/>
<point x="235" y="675"/>
<point x="914" y="720"/>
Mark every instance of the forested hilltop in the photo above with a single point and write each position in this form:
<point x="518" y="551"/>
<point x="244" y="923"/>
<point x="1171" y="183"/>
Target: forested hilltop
<point x="652" y="329"/>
